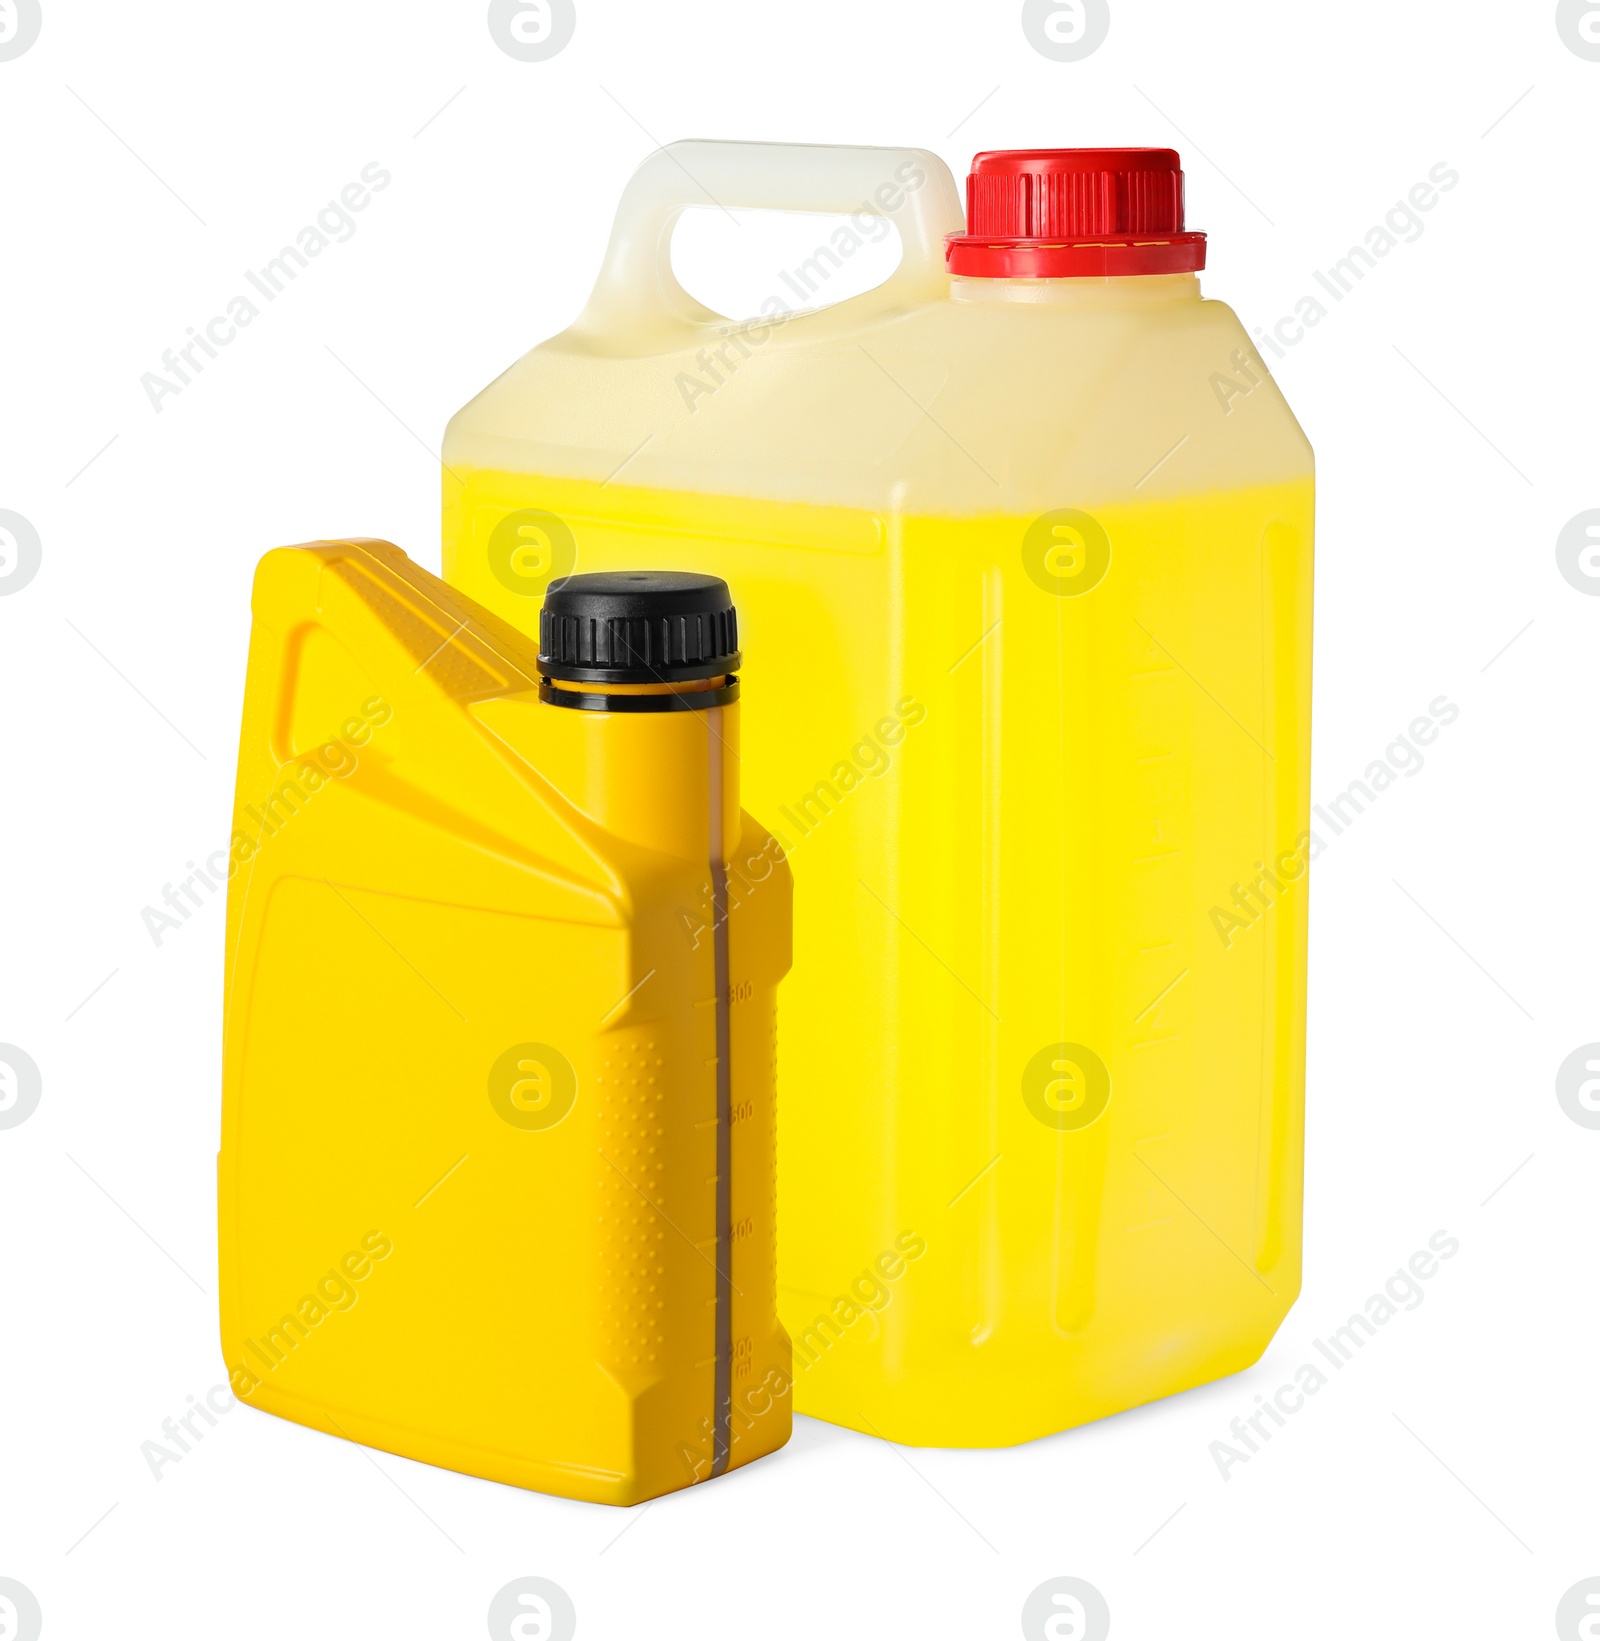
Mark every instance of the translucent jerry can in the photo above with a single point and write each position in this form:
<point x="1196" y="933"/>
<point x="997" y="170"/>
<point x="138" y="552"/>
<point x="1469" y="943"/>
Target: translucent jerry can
<point x="496" y="1180"/>
<point x="1024" y="536"/>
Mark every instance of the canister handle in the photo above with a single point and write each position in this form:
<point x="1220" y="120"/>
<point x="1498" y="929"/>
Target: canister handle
<point x="638" y="302"/>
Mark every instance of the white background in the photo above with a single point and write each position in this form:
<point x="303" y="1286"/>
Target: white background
<point x="1443" y="1483"/>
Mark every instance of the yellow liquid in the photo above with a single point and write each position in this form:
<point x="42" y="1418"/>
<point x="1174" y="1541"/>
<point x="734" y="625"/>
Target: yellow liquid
<point x="1043" y="786"/>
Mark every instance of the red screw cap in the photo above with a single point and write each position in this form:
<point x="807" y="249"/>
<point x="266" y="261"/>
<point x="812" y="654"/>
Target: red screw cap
<point x="1061" y="213"/>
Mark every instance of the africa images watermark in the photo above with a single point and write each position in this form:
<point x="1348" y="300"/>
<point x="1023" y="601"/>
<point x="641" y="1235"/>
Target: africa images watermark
<point x="867" y="225"/>
<point x="1252" y="899"/>
<point x="532" y="31"/>
<point x="20" y="22"/>
<point x="869" y="1294"/>
<point x="20" y="1088"/>
<point x="1402" y="225"/>
<point x="870" y="757"/>
<point x="174" y="1445"/>
<point x="334" y="760"/>
<point x="1066" y="31"/>
<point x="336" y="1291"/>
<point x="1402" y="1291"/>
<point x="20" y="552"/>
<point x="335" y="224"/>
<point x="532" y="1609"/>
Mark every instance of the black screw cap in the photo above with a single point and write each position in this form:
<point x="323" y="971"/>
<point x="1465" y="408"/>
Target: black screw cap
<point x="638" y="627"/>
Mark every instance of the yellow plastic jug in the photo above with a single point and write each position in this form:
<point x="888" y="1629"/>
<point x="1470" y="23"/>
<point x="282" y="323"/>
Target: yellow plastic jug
<point x="496" y="1180"/>
<point x="1023" y="537"/>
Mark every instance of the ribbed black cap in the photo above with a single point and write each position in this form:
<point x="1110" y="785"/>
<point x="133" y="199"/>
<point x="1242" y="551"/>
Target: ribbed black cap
<point x="638" y="627"/>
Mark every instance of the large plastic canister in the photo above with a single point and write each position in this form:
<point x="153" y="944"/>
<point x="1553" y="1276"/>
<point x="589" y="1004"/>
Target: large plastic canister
<point x="496" y="1180"/>
<point x="1024" y="538"/>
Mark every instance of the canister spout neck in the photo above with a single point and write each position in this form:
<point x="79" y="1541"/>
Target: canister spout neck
<point x="1125" y="291"/>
